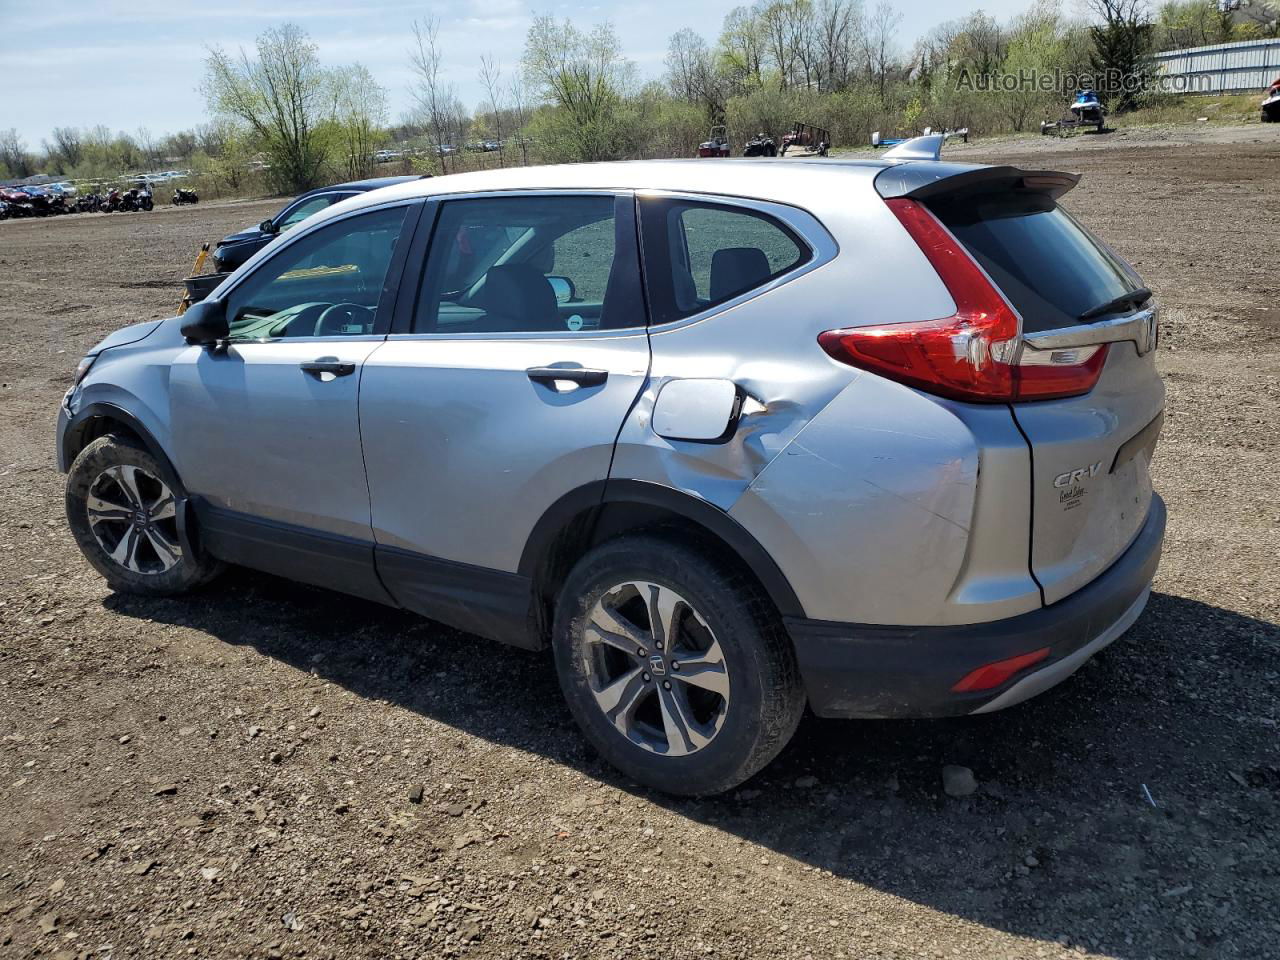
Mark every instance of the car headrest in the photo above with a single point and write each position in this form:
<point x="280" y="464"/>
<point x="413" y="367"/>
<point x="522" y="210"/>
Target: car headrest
<point x="735" y="269"/>
<point x="520" y="295"/>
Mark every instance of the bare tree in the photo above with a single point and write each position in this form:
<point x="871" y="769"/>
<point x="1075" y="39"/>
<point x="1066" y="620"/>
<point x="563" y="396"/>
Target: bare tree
<point x="68" y="146"/>
<point x="491" y="77"/>
<point x="13" y="154"/>
<point x="147" y="147"/>
<point x="881" y="35"/>
<point x="519" y="99"/>
<point x="693" y="74"/>
<point x="838" y="30"/>
<point x="436" y="101"/>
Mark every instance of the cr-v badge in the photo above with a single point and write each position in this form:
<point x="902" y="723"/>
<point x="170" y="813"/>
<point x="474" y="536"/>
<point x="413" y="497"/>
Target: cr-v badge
<point x="1076" y="475"/>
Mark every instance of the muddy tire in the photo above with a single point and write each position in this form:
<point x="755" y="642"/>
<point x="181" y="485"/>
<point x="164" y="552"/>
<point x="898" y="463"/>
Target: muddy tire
<point x="123" y="509"/>
<point x="675" y="665"/>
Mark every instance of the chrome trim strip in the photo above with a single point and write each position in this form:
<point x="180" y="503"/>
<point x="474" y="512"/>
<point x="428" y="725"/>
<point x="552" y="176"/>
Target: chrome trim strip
<point x="1140" y="327"/>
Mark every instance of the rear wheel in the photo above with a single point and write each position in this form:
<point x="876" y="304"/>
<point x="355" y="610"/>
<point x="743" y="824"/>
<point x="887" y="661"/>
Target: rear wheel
<point x="122" y="506"/>
<point x="676" y="667"/>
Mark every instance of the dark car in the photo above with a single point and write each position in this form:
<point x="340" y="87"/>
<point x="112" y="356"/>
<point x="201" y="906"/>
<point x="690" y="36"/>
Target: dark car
<point x="236" y="248"/>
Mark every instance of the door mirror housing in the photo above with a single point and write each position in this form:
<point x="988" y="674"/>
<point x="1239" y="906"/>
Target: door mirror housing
<point x="564" y="289"/>
<point x="268" y="226"/>
<point x="205" y="322"/>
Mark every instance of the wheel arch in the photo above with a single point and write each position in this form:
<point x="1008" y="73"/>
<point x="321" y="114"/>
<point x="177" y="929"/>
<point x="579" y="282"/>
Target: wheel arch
<point x="593" y="513"/>
<point x="98" y="419"/>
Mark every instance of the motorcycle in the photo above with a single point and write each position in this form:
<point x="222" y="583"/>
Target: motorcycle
<point x="181" y="196"/>
<point x="112" y="202"/>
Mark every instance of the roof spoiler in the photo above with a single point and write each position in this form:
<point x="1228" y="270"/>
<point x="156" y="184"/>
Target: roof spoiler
<point x="921" y="182"/>
<point x="918" y="148"/>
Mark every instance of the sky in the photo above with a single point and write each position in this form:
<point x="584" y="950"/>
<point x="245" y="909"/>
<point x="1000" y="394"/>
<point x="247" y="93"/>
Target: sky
<point x="139" y="63"/>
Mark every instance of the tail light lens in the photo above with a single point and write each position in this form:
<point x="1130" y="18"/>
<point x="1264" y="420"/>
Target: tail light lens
<point x="973" y="354"/>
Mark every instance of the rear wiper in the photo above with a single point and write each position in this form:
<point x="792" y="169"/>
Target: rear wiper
<point x="1130" y="299"/>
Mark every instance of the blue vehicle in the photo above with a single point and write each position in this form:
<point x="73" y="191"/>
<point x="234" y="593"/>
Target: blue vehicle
<point x="1088" y="109"/>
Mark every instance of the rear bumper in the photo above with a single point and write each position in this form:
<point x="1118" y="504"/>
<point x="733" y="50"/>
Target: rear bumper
<point x="870" y="670"/>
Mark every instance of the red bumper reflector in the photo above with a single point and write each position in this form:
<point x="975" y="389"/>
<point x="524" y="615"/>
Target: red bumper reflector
<point x="994" y="674"/>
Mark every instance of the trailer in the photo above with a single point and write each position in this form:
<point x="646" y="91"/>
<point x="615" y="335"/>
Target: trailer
<point x="814" y="141"/>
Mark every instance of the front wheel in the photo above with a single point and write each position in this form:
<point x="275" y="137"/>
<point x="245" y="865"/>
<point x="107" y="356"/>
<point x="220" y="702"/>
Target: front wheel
<point x="675" y="666"/>
<point x="123" y="509"/>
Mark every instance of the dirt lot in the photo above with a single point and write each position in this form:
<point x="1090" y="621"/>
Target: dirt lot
<point x="229" y="774"/>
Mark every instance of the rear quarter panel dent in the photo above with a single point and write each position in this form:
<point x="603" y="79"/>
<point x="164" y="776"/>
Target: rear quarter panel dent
<point x="867" y="510"/>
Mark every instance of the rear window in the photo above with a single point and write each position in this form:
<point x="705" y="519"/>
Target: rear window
<point x="1051" y="269"/>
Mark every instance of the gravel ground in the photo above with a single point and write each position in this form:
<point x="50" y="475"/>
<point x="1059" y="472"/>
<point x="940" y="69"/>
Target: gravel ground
<point x="267" y="770"/>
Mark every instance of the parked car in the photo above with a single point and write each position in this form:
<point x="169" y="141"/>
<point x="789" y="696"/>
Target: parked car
<point x="872" y="436"/>
<point x="236" y="248"/>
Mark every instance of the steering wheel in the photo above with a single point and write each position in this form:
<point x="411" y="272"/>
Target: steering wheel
<point x="334" y="318"/>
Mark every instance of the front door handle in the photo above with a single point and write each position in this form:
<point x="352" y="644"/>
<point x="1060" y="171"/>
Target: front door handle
<point x="579" y="375"/>
<point x="339" y="368"/>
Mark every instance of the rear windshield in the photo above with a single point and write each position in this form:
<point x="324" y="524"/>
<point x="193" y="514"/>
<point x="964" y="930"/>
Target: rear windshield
<point x="1051" y="268"/>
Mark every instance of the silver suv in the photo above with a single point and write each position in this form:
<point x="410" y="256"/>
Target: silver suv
<point x="729" y="438"/>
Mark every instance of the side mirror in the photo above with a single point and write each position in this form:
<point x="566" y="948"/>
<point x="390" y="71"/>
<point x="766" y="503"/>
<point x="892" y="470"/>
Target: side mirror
<point x="205" y="322"/>
<point x="564" y="289"/>
<point x="268" y="226"/>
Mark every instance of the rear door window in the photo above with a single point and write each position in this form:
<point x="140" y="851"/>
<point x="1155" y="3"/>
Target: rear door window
<point x="1049" y="267"/>
<point x="699" y="254"/>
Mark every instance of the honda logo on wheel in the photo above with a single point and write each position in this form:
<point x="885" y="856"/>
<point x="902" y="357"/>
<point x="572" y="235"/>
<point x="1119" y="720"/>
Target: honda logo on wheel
<point x="657" y="665"/>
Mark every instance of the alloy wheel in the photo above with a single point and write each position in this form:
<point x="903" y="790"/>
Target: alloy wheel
<point x="656" y="669"/>
<point x="133" y="516"/>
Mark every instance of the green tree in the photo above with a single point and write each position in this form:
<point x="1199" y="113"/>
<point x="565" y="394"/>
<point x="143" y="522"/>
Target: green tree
<point x="359" y="118"/>
<point x="1121" y="61"/>
<point x="586" y="77"/>
<point x="280" y="96"/>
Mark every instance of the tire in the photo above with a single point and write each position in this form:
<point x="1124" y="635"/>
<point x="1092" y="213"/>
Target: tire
<point x="724" y="622"/>
<point x="113" y="471"/>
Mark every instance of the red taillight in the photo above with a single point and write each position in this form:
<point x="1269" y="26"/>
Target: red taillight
<point x="994" y="674"/>
<point x="969" y="355"/>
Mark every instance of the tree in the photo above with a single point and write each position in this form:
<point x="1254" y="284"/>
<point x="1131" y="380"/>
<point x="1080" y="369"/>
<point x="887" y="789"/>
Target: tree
<point x="878" y="45"/>
<point x="491" y="78"/>
<point x="147" y="147"/>
<point x="14" y="156"/>
<point x="1034" y="49"/>
<point x="838" y="35"/>
<point x="519" y="99"/>
<point x="742" y="49"/>
<point x="693" y="75"/>
<point x="280" y="97"/>
<point x="1121" y="61"/>
<point x="1263" y="19"/>
<point x="586" y="77"/>
<point x="1192" y="23"/>
<point x="67" y="149"/>
<point x="437" y="103"/>
<point x="359" y="114"/>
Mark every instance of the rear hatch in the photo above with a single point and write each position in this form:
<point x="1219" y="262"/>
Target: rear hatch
<point x="1080" y="305"/>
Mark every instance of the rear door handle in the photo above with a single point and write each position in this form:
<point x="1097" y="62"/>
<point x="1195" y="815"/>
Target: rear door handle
<point x="579" y="375"/>
<point x="339" y="368"/>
